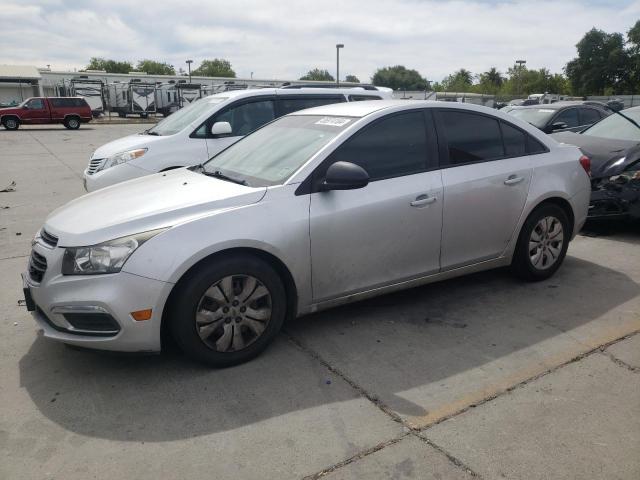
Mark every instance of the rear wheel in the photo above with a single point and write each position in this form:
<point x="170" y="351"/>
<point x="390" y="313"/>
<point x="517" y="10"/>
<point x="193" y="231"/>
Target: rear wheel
<point x="542" y="244"/>
<point x="11" y="123"/>
<point x="72" y="123"/>
<point x="227" y="311"/>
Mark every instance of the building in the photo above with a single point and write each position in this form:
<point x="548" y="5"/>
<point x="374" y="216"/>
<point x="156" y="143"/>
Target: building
<point x="18" y="82"/>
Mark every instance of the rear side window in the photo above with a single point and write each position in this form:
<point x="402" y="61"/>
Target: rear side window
<point x="589" y="116"/>
<point x="515" y="141"/>
<point x="360" y="98"/>
<point x="289" y="105"/>
<point x="68" y="102"/>
<point x="471" y="137"/>
<point x="391" y="147"/>
<point x="534" y="146"/>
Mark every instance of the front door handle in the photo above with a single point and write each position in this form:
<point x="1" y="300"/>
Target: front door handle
<point x="512" y="180"/>
<point x="422" y="200"/>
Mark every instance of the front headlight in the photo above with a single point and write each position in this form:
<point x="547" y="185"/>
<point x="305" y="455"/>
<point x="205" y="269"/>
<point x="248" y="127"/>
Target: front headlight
<point x="107" y="257"/>
<point x="123" y="157"/>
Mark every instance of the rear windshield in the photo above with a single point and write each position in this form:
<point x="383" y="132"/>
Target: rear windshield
<point x="176" y="122"/>
<point x="538" y="117"/>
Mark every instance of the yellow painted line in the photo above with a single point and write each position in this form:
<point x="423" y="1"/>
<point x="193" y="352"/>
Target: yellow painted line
<point x="607" y="335"/>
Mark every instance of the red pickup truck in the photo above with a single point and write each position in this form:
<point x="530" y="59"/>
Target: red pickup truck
<point x="70" y="111"/>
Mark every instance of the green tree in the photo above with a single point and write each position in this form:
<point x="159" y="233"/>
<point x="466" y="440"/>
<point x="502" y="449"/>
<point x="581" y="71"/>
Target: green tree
<point x="460" y="81"/>
<point x="109" y="66"/>
<point x="153" y="67"/>
<point x="318" y="75"/>
<point x="351" y="79"/>
<point x="217" y="67"/>
<point x="633" y="39"/>
<point x="602" y="63"/>
<point x="399" y="78"/>
<point x="491" y="81"/>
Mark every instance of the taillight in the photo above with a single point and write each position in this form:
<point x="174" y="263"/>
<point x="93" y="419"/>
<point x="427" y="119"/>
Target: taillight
<point x="586" y="164"/>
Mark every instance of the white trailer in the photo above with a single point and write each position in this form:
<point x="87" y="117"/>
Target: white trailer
<point x="134" y="97"/>
<point x="91" y="90"/>
<point x="167" y="98"/>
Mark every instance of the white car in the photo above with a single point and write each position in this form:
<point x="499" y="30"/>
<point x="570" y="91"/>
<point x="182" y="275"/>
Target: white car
<point x="199" y="131"/>
<point x="318" y="208"/>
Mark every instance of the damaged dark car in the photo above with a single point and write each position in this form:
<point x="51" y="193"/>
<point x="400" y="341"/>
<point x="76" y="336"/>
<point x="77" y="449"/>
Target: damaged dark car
<point x="613" y="145"/>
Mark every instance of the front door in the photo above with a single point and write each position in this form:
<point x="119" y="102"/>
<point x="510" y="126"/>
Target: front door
<point x="388" y="231"/>
<point x="36" y="112"/>
<point x="485" y="181"/>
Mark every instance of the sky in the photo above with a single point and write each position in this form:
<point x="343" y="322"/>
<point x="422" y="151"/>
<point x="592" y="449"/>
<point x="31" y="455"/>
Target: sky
<point x="284" y="39"/>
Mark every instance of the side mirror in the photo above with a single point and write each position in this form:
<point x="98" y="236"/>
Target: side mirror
<point x="558" y="126"/>
<point x="345" y="176"/>
<point x="221" y="128"/>
<point x="25" y="107"/>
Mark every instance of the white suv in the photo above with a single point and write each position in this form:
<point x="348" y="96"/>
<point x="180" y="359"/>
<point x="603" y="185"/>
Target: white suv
<point x="197" y="132"/>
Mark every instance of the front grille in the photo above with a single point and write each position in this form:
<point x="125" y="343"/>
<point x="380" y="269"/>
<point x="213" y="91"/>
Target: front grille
<point x="94" y="165"/>
<point x="37" y="266"/>
<point x="49" y="239"/>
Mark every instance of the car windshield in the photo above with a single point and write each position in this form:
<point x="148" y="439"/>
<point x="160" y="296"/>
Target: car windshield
<point x="616" y="127"/>
<point x="538" y="117"/>
<point x="177" y="121"/>
<point x="273" y="153"/>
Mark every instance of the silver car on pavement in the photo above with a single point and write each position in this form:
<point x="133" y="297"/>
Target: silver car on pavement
<point x="316" y="209"/>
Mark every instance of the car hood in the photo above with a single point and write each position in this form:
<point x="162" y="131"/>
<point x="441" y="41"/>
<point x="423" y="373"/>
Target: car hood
<point x="143" y="204"/>
<point x="608" y="156"/>
<point x="123" y="144"/>
<point x="5" y="110"/>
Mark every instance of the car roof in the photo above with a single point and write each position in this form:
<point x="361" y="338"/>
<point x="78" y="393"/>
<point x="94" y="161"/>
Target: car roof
<point x="254" y="92"/>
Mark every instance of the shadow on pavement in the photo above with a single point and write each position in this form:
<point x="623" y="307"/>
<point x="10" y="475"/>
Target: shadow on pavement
<point x="395" y="343"/>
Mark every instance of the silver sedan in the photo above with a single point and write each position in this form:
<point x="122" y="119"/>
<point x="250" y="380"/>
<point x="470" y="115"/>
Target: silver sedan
<point x="316" y="209"/>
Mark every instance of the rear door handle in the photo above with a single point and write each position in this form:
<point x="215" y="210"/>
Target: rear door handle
<point x="512" y="180"/>
<point x="422" y="200"/>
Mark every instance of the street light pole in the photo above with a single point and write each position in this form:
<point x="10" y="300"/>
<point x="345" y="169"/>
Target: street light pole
<point x="520" y="63"/>
<point x="189" y="62"/>
<point x="338" y="47"/>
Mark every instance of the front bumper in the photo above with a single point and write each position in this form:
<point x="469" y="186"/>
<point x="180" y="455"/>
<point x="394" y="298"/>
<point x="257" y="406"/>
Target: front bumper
<point x="102" y="305"/>
<point x="111" y="176"/>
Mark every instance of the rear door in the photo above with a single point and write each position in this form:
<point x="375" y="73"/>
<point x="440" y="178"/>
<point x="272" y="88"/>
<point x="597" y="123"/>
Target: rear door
<point x="486" y="181"/>
<point x="388" y="231"/>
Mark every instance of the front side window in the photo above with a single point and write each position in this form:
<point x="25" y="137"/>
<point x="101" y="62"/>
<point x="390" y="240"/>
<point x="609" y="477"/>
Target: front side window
<point x="35" y="104"/>
<point x="568" y="117"/>
<point x="391" y="147"/>
<point x="247" y="117"/>
<point x="290" y="105"/>
<point x="272" y="154"/>
<point x="471" y="137"/>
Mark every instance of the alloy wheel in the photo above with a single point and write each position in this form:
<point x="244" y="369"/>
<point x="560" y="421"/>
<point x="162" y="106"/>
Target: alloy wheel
<point x="233" y="313"/>
<point x="545" y="242"/>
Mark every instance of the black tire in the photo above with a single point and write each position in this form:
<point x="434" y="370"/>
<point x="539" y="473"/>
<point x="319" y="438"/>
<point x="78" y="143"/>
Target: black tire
<point x="122" y="114"/>
<point x="144" y="115"/>
<point x="72" y="123"/>
<point x="11" y="123"/>
<point x="522" y="264"/>
<point x="190" y="292"/>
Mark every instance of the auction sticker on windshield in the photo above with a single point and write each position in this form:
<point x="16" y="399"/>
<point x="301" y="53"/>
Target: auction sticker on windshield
<point x="333" y="121"/>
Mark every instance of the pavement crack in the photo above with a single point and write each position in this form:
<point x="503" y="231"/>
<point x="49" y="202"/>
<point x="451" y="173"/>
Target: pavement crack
<point x="356" y="457"/>
<point x="55" y="156"/>
<point x="619" y="362"/>
<point x="409" y="429"/>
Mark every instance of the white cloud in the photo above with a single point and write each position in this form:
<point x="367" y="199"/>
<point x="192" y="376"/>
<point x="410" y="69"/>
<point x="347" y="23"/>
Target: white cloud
<point x="281" y="39"/>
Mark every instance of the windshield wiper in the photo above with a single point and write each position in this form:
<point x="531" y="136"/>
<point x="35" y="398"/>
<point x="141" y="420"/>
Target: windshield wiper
<point x="148" y="132"/>
<point x="222" y="176"/>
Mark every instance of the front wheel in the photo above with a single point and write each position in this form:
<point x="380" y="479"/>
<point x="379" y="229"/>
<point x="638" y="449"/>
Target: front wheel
<point x="10" y="123"/>
<point x="228" y="310"/>
<point x="542" y="244"/>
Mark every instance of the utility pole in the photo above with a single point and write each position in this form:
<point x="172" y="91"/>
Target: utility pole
<point x="520" y="63"/>
<point x="338" y="47"/>
<point x="189" y="62"/>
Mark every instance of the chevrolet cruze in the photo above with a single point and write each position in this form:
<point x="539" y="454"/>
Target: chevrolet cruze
<point x="318" y="208"/>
